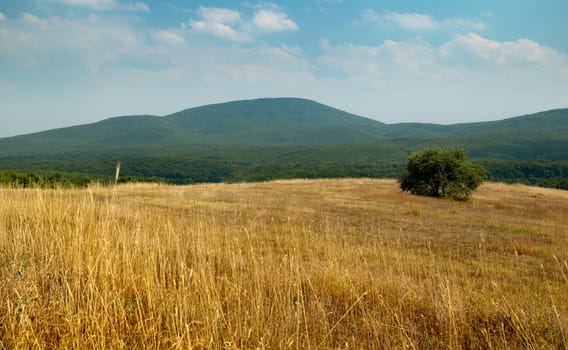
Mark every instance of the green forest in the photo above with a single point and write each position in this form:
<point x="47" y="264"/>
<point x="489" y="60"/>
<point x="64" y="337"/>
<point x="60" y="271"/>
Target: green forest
<point x="552" y="174"/>
<point x="280" y="138"/>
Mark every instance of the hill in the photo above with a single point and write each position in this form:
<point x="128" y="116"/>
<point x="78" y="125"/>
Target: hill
<point x="262" y="122"/>
<point x="293" y="122"/>
<point x="320" y="264"/>
<point x="280" y="138"/>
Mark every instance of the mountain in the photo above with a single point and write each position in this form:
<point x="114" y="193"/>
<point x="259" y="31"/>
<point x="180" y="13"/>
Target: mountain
<point x="262" y="122"/>
<point x="278" y="137"/>
<point x="276" y="122"/>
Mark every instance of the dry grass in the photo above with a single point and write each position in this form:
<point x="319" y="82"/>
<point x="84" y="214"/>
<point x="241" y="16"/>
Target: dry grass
<point x="286" y="264"/>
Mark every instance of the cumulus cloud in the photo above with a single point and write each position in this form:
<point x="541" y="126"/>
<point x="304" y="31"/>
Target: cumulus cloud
<point x="168" y="37"/>
<point x="469" y="73"/>
<point x="219" y="22"/>
<point x="273" y="21"/>
<point x="474" y="49"/>
<point x="90" y="42"/>
<point x="219" y="15"/>
<point x="2" y="17"/>
<point x="470" y="51"/>
<point x="420" y="21"/>
<point x="378" y="63"/>
<point x="31" y="18"/>
<point x="228" y="24"/>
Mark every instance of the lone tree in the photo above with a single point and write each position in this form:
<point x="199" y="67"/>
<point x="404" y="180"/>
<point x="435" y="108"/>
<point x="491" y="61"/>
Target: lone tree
<point x="441" y="173"/>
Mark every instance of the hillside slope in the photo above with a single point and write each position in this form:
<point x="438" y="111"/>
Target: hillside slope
<point x="262" y="122"/>
<point x="276" y="122"/>
<point x="282" y="137"/>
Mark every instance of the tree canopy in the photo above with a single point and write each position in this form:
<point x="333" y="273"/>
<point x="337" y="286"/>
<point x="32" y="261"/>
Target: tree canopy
<point x="441" y="173"/>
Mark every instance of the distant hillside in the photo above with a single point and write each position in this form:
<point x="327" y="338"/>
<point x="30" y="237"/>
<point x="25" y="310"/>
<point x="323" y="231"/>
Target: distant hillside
<point x="276" y="122"/>
<point x="283" y="137"/>
<point x="262" y="122"/>
<point x="541" y="135"/>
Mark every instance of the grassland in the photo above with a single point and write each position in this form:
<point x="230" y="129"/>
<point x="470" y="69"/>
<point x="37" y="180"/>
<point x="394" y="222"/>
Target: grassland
<point x="289" y="264"/>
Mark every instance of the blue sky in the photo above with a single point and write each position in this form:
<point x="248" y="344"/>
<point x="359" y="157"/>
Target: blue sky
<point x="69" y="62"/>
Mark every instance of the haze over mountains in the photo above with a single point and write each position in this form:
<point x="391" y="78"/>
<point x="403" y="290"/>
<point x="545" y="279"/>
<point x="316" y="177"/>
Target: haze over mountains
<point x="294" y="122"/>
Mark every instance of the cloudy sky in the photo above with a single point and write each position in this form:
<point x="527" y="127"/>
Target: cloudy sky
<point x="69" y="62"/>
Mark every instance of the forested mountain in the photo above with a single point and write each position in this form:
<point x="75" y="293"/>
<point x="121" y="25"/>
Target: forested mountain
<point x="277" y="137"/>
<point x="262" y="122"/>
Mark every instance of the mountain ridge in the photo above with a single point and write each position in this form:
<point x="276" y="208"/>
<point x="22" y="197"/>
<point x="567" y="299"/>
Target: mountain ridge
<point x="223" y="123"/>
<point x="293" y="122"/>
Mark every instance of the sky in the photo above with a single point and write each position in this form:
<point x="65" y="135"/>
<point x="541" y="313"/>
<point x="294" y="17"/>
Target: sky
<point x="71" y="62"/>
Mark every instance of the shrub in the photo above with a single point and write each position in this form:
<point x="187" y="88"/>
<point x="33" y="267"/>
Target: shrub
<point x="441" y="173"/>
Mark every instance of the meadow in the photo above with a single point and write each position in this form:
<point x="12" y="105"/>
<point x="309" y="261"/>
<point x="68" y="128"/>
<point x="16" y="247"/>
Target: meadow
<point x="299" y="264"/>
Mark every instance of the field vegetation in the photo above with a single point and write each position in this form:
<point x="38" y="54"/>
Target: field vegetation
<point x="302" y="264"/>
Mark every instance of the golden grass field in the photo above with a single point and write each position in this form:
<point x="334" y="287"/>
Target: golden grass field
<point x="319" y="264"/>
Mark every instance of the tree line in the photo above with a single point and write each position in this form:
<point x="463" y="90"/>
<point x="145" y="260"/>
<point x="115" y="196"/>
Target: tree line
<point x="553" y="174"/>
<point x="52" y="180"/>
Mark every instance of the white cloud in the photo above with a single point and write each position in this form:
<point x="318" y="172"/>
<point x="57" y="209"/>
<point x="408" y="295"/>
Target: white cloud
<point x="2" y="17"/>
<point x="524" y="53"/>
<point x="219" y="15"/>
<point x="378" y="63"/>
<point x="219" y="22"/>
<point x="228" y="24"/>
<point x="105" y="5"/>
<point x="90" y="42"/>
<point x="273" y="21"/>
<point x="406" y="20"/>
<point x="419" y="21"/>
<point x="31" y="18"/>
<point x="470" y="52"/>
<point x="168" y="37"/>
<point x="467" y="78"/>
<point x="220" y="30"/>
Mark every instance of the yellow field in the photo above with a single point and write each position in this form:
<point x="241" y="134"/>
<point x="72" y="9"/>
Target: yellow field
<point x="287" y="264"/>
